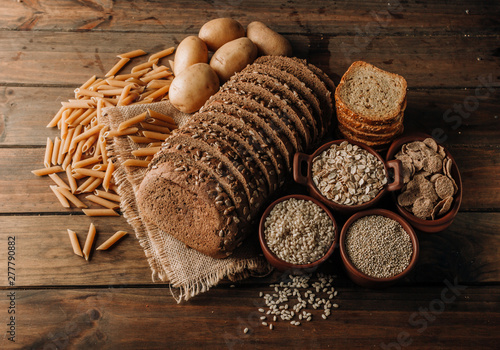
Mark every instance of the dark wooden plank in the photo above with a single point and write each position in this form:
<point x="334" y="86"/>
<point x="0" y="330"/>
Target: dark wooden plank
<point x="27" y="110"/>
<point x="468" y="250"/>
<point x="130" y="319"/>
<point x="319" y="17"/>
<point x="69" y="58"/>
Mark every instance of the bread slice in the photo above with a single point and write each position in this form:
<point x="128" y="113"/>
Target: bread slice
<point x="372" y="95"/>
<point x="368" y="136"/>
<point x="357" y="125"/>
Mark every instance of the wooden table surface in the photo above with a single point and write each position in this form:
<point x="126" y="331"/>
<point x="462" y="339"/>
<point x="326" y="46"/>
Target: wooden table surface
<point x="449" y="52"/>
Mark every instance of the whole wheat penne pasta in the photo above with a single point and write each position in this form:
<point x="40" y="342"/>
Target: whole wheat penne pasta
<point x="147" y="151"/>
<point x="78" y="152"/>
<point x="64" y="202"/>
<point x="143" y="66"/>
<point x="100" y="167"/>
<point x="89" y="142"/>
<point x="85" y="184"/>
<point x="113" y="187"/>
<point x="132" y="54"/>
<point x="55" y="150"/>
<point x="79" y="92"/>
<point x="89" y="82"/>
<point x="67" y="160"/>
<point x="78" y="104"/>
<point x="113" y="92"/>
<point x="136" y="162"/>
<point x="89" y="172"/>
<point x="73" y="144"/>
<point x="74" y="243"/>
<point x="71" y="197"/>
<point x="100" y="212"/>
<point x="116" y="68"/>
<point x="58" y="181"/>
<point x="107" y="177"/>
<point x="161" y="54"/>
<point x="108" y="101"/>
<point x="145" y="101"/>
<point x="161" y="116"/>
<point x="154" y="135"/>
<point x="136" y="75"/>
<point x="107" y="195"/>
<point x="124" y="93"/>
<point x="78" y="176"/>
<point x="141" y="139"/>
<point x="101" y="141"/>
<point x="115" y="133"/>
<point x="95" y="120"/>
<point x="95" y="85"/>
<point x="155" y="144"/>
<point x="113" y="83"/>
<point x="89" y="241"/>
<point x="103" y="202"/>
<point x="47" y="171"/>
<point x="64" y="125"/>
<point x="134" y="120"/>
<point x="60" y="155"/>
<point x="129" y="99"/>
<point x="158" y="75"/>
<point x="158" y="122"/>
<point x="91" y="188"/>
<point x="56" y="118"/>
<point x="157" y="69"/>
<point x="67" y="140"/>
<point x="96" y="151"/>
<point x="75" y="114"/>
<point x="48" y="153"/>
<point x="136" y="81"/>
<point x="156" y="84"/>
<point x="72" y="181"/>
<point x="146" y="93"/>
<point x="86" y="118"/>
<point x="92" y="131"/>
<point x="111" y="240"/>
<point x="157" y="128"/>
<point x="104" y="88"/>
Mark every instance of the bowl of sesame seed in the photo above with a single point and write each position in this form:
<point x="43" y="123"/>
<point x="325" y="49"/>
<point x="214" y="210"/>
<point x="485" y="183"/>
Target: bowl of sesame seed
<point x="297" y="233"/>
<point x="378" y="248"/>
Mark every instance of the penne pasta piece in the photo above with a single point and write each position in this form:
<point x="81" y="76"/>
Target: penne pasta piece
<point x="161" y="54"/>
<point x="100" y="212"/>
<point x="155" y="144"/>
<point x="77" y="112"/>
<point x="103" y="202"/>
<point x="58" y="181"/>
<point x="78" y="152"/>
<point x="136" y="81"/>
<point x="88" y="83"/>
<point x="129" y="99"/>
<point x="92" y="131"/>
<point x="73" y="144"/>
<point x="47" y="171"/>
<point x="100" y="167"/>
<point x="67" y="160"/>
<point x="113" y="92"/>
<point x="132" y="54"/>
<point x="134" y="120"/>
<point x="158" y="75"/>
<point x="56" y="118"/>
<point x="64" y="125"/>
<point x="117" y="67"/>
<point x="146" y="100"/>
<point x="71" y="197"/>
<point x="124" y="94"/>
<point x="89" y="241"/>
<point x="147" y="151"/>
<point x="156" y="84"/>
<point x="64" y="202"/>
<point x="157" y="128"/>
<point x="78" y="104"/>
<point x="85" y="119"/>
<point x="89" y="142"/>
<point x="72" y="181"/>
<point x="113" y="84"/>
<point x="143" y="66"/>
<point x="101" y="141"/>
<point x="158" y="122"/>
<point x="136" y="162"/>
<point x="79" y="92"/>
<point x="141" y="139"/>
<point x="67" y="141"/>
<point x="85" y="184"/>
<point x="107" y="176"/>
<point x="107" y="195"/>
<point x="111" y="240"/>
<point x="154" y="135"/>
<point x="136" y="75"/>
<point x="89" y="172"/>
<point x="95" y="85"/>
<point x="113" y="187"/>
<point x="115" y="133"/>
<point x="90" y="188"/>
<point x="161" y="116"/>
<point x="74" y="243"/>
<point x="48" y="153"/>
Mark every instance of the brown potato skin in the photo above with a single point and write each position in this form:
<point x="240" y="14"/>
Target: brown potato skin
<point x="268" y="41"/>
<point x="193" y="87"/>
<point x="191" y="50"/>
<point x="232" y="57"/>
<point x="220" y="31"/>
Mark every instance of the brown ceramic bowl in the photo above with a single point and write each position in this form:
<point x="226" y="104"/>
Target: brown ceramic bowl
<point x="300" y="160"/>
<point x="359" y="277"/>
<point x="282" y="265"/>
<point x="429" y="226"/>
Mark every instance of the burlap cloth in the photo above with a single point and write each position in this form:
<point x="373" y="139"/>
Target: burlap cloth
<point x="170" y="260"/>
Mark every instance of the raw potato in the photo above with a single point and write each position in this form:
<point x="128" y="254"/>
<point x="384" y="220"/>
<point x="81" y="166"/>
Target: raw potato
<point x="220" y="31"/>
<point x="192" y="87"/>
<point x="191" y="50"/>
<point x="233" y="57"/>
<point x="268" y="41"/>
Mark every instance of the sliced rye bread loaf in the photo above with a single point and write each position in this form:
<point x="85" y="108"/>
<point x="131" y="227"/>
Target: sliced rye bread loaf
<point x="250" y="112"/>
<point x="303" y="73"/>
<point x="177" y="201"/>
<point x="296" y="86"/>
<point x="373" y="96"/>
<point x="223" y="152"/>
<point x="274" y="86"/>
<point x="244" y="133"/>
<point x="182" y="145"/>
<point x="282" y="114"/>
<point x="248" y="163"/>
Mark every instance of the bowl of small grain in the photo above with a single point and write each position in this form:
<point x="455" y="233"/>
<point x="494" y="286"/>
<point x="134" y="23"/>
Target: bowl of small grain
<point x="346" y="176"/>
<point x="297" y="233"/>
<point x="378" y="248"/>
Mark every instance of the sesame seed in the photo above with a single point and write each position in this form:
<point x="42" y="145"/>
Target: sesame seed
<point x="264" y="324"/>
<point x="245" y="330"/>
<point x="271" y="327"/>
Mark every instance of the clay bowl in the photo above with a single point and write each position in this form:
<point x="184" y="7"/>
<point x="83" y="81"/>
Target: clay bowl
<point x="429" y="226"/>
<point x="282" y="265"/>
<point x="303" y="161"/>
<point x="361" y="278"/>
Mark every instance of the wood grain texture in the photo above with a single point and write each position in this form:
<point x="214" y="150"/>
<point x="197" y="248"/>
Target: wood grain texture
<point x="406" y="18"/>
<point x="130" y="318"/>
<point x="55" y="58"/>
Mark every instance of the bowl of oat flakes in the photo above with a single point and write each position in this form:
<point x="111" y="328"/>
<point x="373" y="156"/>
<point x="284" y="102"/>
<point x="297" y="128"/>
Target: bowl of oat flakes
<point x="378" y="248"/>
<point x="347" y="176"/>
<point x="432" y="187"/>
